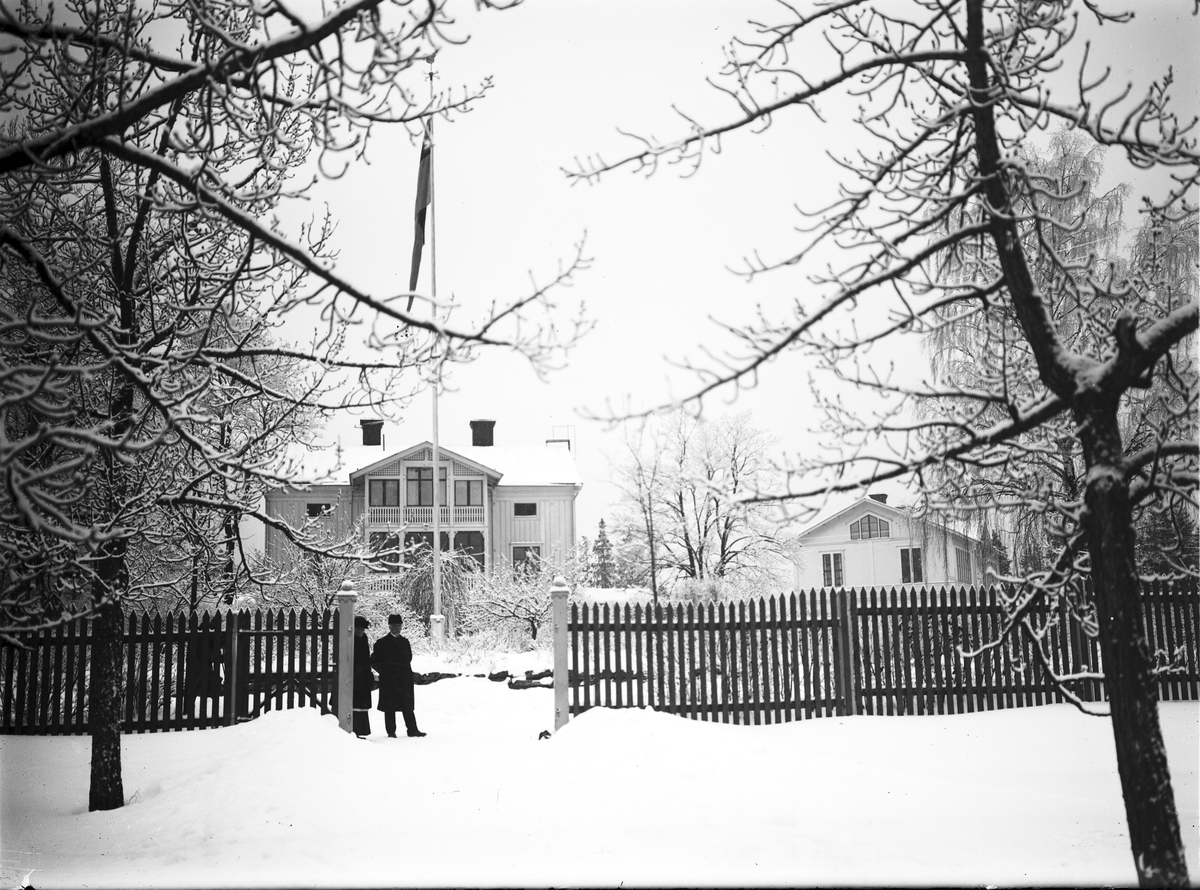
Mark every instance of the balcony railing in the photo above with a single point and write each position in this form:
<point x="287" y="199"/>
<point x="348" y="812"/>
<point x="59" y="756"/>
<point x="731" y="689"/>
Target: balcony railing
<point x="386" y="516"/>
<point x="424" y="516"/>
<point x="469" y="516"/>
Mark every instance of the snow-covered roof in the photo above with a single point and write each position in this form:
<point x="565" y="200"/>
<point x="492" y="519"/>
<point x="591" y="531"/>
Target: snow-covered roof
<point x="333" y="464"/>
<point x="524" y="464"/>
<point x="514" y="464"/>
<point x="841" y="504"/>
<point x="535" y="464"/>
<point x="416" y="449"/>
<point x="838" y="506"/>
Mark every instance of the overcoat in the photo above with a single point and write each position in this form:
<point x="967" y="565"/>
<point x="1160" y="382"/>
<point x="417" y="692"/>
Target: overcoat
<point x="362" y="672"/>
<point x="393" y="660"/>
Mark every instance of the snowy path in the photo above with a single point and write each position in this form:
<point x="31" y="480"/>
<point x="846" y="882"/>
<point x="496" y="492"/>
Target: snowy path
<point x="1017" y="797"/>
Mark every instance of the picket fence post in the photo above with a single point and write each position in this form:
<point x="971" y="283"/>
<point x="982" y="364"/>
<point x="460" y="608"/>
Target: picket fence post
<point x="850" y="648"/>
<point x="558" y="606"/>
<point x="346" y="598"/>
<point x="232" y="681"/>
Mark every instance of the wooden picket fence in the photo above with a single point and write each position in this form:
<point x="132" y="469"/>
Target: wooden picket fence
<point x="179" y="671"/>
<point x="827" y="653"/>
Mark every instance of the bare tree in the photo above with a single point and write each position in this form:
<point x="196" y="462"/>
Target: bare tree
<point x="517" y="597"/>
<point x="948" y="92"/>
<point x="638" y="476"/>
<point x="302" y="578"/>
<point x="413" y="583"/>
<point x="681" y="481"/>
<point x="147" y="154"/>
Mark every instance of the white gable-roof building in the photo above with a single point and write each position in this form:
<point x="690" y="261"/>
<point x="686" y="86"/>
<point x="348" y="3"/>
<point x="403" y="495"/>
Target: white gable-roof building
<point x="503" y="505"/>
<point x="871" y="543"/>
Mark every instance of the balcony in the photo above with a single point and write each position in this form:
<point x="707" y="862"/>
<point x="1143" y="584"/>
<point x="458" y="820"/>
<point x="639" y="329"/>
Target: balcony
<point x="451" y="516"/>
<point x="470" y="516"/>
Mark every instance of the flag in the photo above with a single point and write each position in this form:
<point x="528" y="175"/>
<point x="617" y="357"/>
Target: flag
<point x="424" y="194"/>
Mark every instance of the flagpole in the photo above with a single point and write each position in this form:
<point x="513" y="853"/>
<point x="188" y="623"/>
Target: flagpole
<point x="437" y="622"/>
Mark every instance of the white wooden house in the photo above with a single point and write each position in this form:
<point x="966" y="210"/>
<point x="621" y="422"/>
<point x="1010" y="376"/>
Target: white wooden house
<point x="871" y="543"/>
<point x="502" y="504"/>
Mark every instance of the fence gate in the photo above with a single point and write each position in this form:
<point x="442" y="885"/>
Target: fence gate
<point x="286" y="661"/>
<point x="179" y="671"/>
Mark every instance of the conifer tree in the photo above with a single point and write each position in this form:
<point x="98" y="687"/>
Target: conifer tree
<point x="603" y="567"/>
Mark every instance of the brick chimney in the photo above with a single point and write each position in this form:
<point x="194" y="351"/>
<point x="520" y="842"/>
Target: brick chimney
<point x="882" y="498"/>
<point x="372" y="431"/>
<point x="481" y="432"/>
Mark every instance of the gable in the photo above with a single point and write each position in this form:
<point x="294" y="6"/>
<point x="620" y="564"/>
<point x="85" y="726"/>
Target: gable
<point x="901" y="526"/>
<point x="838" y="524"/>
<point x="393" y="464"/>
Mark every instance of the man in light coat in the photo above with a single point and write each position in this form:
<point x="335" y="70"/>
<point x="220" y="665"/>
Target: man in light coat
<point x="392" y="659"/>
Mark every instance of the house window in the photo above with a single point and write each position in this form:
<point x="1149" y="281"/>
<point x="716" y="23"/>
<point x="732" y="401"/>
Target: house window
<point x="416" y="541"/>
<point x="962" y="561"/>
<point x="316" y="511"/>
<point x="831" y="569"/>
<point x="420" y="487"/>
<point x="385" y="493"/>
<point x="910" y="565"/>
<point x="870" y="527"/>
<point x="385" y="552"/>
<point x="526" y="557"/>
<point x="471" y="543"/>
<point x="524" y="509"/>
<point x="468" y="492"/>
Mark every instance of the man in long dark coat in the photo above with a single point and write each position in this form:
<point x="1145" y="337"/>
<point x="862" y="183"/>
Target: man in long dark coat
<point x="393" y="660"/>
<point x="363" y="678"/>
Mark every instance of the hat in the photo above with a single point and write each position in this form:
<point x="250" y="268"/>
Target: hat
<point x="395" y="619"/>
<point x="359" y="621"/>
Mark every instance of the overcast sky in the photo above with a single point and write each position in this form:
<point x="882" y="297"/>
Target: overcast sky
<point x="567" y="74"/>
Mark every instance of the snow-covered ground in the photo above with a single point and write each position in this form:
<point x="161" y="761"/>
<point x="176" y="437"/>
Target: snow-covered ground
<point x="1028" y="796"/>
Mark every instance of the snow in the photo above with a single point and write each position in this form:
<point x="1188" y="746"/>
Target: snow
<point x="537" y="464"/>
<point x="615" y="595"/>
<point x="1025" y="796"/>
<point x="473" y="661"/>
<point x="524" y="464"/>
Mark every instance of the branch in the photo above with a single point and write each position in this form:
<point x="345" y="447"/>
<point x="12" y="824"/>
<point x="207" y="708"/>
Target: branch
<point x="48" y="32"/>
<point x="75" y="138"/>
<point x="298" y="255"/>
<point x="649" y="157"/>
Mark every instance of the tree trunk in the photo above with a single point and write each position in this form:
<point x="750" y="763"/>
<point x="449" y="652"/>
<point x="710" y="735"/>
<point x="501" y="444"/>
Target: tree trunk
<point x="651" y="542"/>
<point x="106" y="791"/>
<point x="194" y="603"/>
<point x="1108" y="521"/>
<point x="1128" y="680"/>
